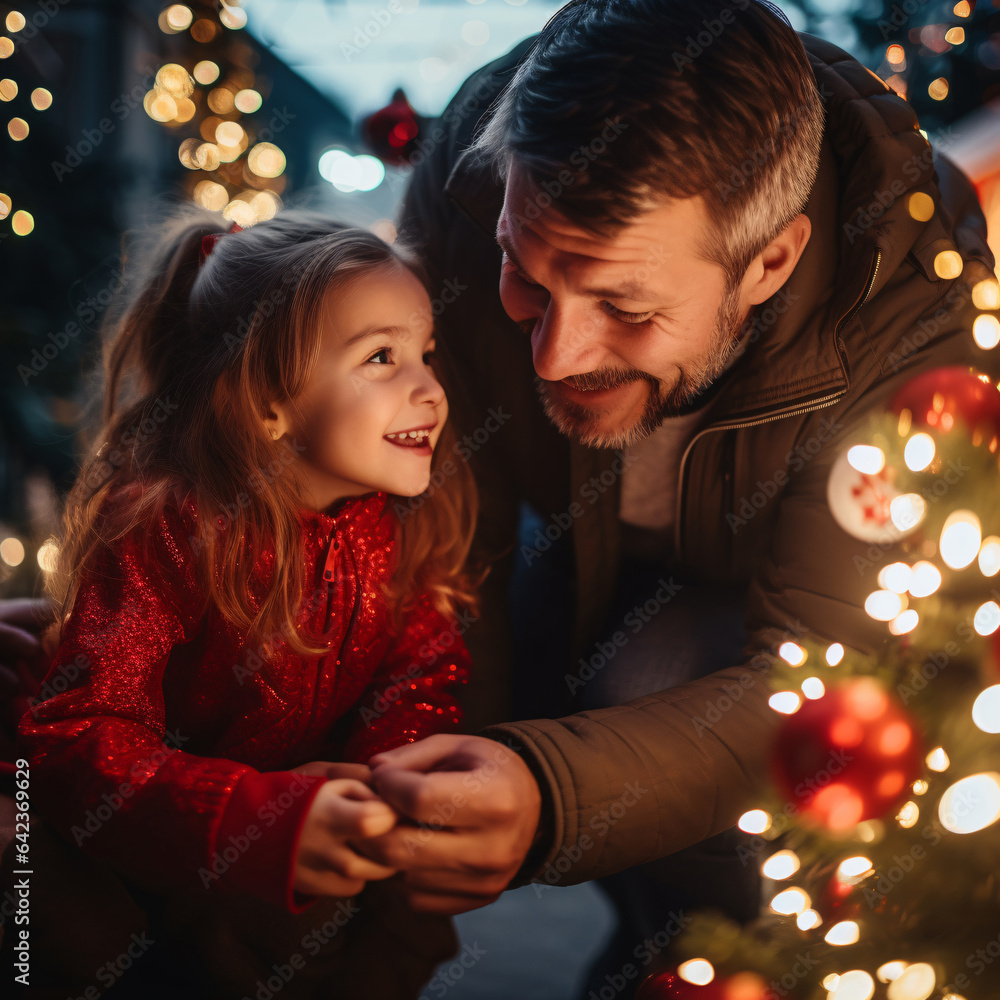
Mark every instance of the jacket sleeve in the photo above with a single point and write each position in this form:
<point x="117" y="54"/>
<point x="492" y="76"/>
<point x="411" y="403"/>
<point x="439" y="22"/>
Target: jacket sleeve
<point x="415" y="691"/>
<point x="625" y="785"/>
<point x="106" y="771"/>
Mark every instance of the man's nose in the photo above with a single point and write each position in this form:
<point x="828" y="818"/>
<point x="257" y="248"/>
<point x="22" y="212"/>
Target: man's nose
<point x="565" y="342"/>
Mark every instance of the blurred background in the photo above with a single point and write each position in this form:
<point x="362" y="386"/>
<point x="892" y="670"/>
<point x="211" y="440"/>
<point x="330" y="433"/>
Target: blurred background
<point x="113" y="110"/>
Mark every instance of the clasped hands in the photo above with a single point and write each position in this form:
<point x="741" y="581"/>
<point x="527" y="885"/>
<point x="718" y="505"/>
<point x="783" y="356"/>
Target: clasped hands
<point x="455" y="816"/>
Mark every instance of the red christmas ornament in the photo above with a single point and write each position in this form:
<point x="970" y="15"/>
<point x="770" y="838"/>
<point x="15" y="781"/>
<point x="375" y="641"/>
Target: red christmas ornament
<point x="670" y="986"/>
<point x="392" y="131"/>
<point x="939" y="399"/>
<point x="848" y="756"/>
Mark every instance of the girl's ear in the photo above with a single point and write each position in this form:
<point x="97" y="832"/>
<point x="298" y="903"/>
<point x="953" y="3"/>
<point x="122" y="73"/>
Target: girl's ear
<point x="277" y="423"/>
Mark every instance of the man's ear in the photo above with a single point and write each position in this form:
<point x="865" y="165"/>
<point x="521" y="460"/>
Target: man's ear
<point x="773" y="266"/>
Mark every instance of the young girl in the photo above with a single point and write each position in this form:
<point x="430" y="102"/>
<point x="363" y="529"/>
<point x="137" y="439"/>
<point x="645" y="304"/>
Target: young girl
<point x="245" y="598"/>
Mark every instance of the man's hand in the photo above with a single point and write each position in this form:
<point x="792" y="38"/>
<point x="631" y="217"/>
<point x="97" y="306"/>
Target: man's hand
<point x="22" y="621"/>
<point x="474" y="806"/>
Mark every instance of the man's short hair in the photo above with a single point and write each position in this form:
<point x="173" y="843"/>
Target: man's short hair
<point x="717" y="98"/>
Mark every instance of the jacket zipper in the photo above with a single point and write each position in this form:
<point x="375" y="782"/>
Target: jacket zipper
<point x="329" y="567"/>
<point x="816" y="404"/>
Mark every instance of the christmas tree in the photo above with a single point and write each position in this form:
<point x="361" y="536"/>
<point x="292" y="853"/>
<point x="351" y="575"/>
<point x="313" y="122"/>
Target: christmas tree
<point x="878" y="838"/>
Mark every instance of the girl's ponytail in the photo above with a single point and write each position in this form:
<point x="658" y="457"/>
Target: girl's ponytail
<point x="145" y="355"/>
<point x="152" y="332"/>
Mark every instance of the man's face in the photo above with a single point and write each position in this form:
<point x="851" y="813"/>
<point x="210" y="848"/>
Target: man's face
<point x="624" y="331"/>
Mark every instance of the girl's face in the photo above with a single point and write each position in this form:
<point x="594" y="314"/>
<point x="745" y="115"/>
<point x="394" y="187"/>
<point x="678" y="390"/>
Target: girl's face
<point x="372" y="410"/>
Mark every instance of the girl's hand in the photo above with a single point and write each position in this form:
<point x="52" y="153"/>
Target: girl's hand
<point x="326" y="864"/>
<point x="331" y="769"/>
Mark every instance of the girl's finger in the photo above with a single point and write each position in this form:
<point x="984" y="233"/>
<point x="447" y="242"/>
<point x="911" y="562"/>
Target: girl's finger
<point x="345" y="817"/>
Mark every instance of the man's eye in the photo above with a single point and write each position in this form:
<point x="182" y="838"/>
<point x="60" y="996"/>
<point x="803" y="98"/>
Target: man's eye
<point x="519" y="273"/>
<point x="380" y="357"/>
<point x="627" y="317"/>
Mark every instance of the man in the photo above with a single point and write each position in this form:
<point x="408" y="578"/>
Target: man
<point x="680" y="261"/>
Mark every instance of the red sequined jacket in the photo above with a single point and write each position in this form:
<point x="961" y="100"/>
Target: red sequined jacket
<point x="164" y="744"/>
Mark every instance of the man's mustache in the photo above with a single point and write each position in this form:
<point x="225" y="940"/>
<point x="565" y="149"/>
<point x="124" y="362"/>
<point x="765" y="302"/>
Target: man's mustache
<point x="606" y="378"/>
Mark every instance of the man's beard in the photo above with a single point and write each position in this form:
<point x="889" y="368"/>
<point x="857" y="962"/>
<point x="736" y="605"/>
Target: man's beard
<point x="580" y="422"/>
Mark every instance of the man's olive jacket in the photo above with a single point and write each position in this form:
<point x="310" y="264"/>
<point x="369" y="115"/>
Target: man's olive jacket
<point x="862" y="313"/>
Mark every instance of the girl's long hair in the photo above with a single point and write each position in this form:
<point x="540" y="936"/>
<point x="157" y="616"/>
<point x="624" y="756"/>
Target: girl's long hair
<point x="192" y="356"/>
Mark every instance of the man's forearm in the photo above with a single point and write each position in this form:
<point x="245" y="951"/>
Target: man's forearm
<point x="622" y="786"/>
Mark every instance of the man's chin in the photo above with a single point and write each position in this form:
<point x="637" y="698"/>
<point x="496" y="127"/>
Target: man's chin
<point x="614" y="427"/>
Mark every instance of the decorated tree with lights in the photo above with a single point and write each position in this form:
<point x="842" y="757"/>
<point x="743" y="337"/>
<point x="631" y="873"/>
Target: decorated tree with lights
<point x="879" y="836"/>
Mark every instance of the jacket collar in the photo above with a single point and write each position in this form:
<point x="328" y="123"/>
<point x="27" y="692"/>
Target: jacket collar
<point x="873" y="158"/>
<point x="359" y="513"/>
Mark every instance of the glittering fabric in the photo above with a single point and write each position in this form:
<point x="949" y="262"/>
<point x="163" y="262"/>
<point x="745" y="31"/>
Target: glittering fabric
<point x="160" y="712"/>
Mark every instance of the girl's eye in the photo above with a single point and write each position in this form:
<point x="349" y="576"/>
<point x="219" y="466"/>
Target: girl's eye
<point x="627" y="317"/>
<point x="383" y="354"/>
<point x="429" y="357"/>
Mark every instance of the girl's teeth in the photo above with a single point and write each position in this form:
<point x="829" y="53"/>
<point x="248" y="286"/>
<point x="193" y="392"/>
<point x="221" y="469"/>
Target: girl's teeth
<point x="409" y="435"/>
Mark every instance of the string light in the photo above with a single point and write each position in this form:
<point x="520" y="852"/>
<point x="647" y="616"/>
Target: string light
<point x="782" y="865"/>
<point x="12" y="551"/>
<point x="948" y="263"/>
<point x="807" y="920"/>
<point x="915" y="982"/>
<point x="905" y="622"/>
<point x="961" y="538"/>
<point x="971" y="804"/>
<point x="987" y="618"/>
<point x="907" y="511"/>
<point x="698" y="971"/>
<point x="785" y="702"/>
<point x="986" y="710"/>
<point x="883" y="605"/>
<point x="986" y="331"/>
<point x="921" y="206"/>
<point x="47" y="555"/>
<point x="790" y="901"/>
<point x="938" y="760"/>
<point x="853" y="985"/>
<point x="792" y="653"/>
<point x="919" y="452"/>
<point x="938" y="91"/>
<point x="896" y="577"/>
<point x="754" y="821"/>
<point x="986" y="294"/>
<point x="866" y="459"/>
<point x="989" y="556"/>
<point x="813" y="688"/>
<point x="846" y="932"/>
<point x="907" y="816"/>
<point x="890" y="971"/>
<point x="926" y="579"/>
<point x="855" y="869"/>
<point x="920" y="787"/>
<point x="834" y="654"/>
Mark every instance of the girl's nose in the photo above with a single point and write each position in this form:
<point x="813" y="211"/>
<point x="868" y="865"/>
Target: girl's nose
<point x="429" y="389"/>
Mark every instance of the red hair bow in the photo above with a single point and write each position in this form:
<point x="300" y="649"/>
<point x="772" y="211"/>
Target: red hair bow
<point x="208" y="242"/>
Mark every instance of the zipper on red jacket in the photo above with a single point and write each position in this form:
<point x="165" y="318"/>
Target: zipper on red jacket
<point x="330" y="566"/>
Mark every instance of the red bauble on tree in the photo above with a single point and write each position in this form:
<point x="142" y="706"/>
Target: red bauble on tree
<point x="848" y="756"/>
<point x="942" y="398"/>
<point x="670" y="986"/>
